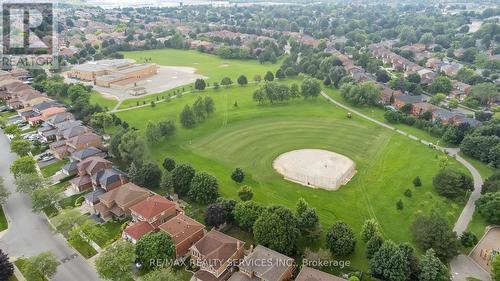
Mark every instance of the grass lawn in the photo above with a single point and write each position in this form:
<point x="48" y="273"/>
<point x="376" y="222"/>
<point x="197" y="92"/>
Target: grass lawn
<point x="113" y="230"/>
<point x="251" y="136"/>
<point x="19" y="263"/>
<point x="211" y="66"/>
<point x="106" y="102"/>
<point x="50" y="170"/>
<point x="83" y="248"/>
<point x="50" y="211"/>
<point x="378" y="114"/>
<point x="3" y="220"/>
<point x="13" y="278"/>
<point x="61" y="186"/>
<point x="69" y="202"/>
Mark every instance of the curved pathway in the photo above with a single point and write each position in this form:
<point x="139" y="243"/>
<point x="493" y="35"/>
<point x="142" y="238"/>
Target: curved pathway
<point x="466" y="215"/>
<point x="29" y="233"/>
<point x="462" y="266"/>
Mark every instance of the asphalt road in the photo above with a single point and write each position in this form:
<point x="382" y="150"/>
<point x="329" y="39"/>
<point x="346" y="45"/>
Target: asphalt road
<point x="30" y="234"/>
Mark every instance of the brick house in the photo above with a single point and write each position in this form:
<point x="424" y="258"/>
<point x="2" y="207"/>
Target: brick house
<point x="118" y="201"/>
<point x="215" y="255"/>
<point x="184" y="231"/>
<point x="278" y="267"/>
<point x="311" y="274"/>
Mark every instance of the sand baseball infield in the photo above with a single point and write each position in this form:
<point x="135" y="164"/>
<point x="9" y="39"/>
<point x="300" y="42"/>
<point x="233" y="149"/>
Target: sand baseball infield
<point x="315" y="168"/>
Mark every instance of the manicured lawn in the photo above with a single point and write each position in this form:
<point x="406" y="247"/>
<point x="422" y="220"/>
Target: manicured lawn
<point x="3" y="220"/>
<point x="61" y="186"/>
<point x="69" y="202"/>
<point x="113" y="230"/>
<point x="50" y="211"/>
<point x="251" y="136"/>
<point x="477" y="225"/>
<point x="53" y="168"/>
<point x="83" y="248"/>
<point x="106" y="102"/>
<point x="378" y="114"/>
<point x="211" y="66"/>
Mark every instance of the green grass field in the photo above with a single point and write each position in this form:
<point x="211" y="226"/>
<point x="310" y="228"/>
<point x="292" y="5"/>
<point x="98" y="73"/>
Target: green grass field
<point x="211" y="66"/>
<point x="3" y="220"/>
<point x="105" y="102"/>
<point x="251" y="136"/>
<point x="53" y="168"/>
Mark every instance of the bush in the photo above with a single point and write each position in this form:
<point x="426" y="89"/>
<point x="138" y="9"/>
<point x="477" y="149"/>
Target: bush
<point x="238" y="175"/>
<point x="408" y="193"/>
<point x="489" y="207"/>
<point x="417" y="182"/>
<point x="79" y="201"/>
<point x="245" y="193"/>
<point x="468" y="239"/>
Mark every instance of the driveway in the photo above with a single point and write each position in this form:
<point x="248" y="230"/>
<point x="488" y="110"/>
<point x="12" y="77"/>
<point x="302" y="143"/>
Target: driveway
<point x="30" y="234"/>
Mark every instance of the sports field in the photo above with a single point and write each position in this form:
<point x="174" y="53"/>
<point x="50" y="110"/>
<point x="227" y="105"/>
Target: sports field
<point x="211" y="66"/>
<point x="251" y="136"/>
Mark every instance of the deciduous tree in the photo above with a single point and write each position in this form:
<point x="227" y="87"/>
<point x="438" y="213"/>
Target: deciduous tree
<point x="340" y="239"/>
<point x="204" y="188"/>
<point x="153" y="247"/>
<point x="115" y="262"/>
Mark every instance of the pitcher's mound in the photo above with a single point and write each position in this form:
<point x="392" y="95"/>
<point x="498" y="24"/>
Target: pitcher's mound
<point x="315" y="168"/>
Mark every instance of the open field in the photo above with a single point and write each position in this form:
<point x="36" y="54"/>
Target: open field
<point x="251" y="136"/>
<point x="104" y="101"/>
<point x="211" y="66"/>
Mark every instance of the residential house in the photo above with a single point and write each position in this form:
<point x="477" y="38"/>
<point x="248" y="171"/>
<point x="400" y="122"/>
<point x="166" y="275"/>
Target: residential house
<point x="86" y="169"/>
<point x="277" y="267"/>
<point x="421" y="107"/>
<point x="59" y="118"/>
<point x="86" y="153"/>
<point x="387" y="94"/>
<point x="118" y="201"/>
<point x="70" y="169"/>
<point x="108" y="179"/>
<point x="45" y="114"/>
<point x="427" y="76"/>
<point x="72" y="132"/>
<point x="148" y="215"/>
<point x="451" y="69"/>
<point x="311" y="274"/>
<point x="184" y="231"/>
<point x="215" y="255"/>
<point x="445" y="116"/>
<point x="404" y="99"/>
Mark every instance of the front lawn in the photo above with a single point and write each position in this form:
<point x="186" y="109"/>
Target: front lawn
<point x="3" y="220"/>
<point x="52" y="169"/>
<point x="19" y="263"/>
<point x="83" y="248"/>
<point x="113" y="231"/>
<point x="50" y="211"/>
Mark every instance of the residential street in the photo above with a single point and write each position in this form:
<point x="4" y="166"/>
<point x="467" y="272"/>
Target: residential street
<point x="30" y="234"/>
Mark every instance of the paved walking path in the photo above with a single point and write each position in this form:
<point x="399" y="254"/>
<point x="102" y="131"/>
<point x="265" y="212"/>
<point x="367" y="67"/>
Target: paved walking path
<point x="462" y="266"/>
<point x="29" y="233"/>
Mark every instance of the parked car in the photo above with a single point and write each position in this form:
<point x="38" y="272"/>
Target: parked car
<point x="47" y="158"/>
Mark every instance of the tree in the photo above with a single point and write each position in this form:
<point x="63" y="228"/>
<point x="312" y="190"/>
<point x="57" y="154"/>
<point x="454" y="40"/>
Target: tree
<point x="399" y="205"/>
<point x="485" y="93"/>
<point x="373" y="245"/>
<point x="115" y="142"/>
<point x="340" y="239"/>
<point x="246" y="213"/>
<point x="169" y="164"/>
<point x="148" y="174"/>
<point x="495" y="268"/>
<point x="167" y="128"/>
<point x="209" y="105"/>
<point x="26" y="183"/>
<point x="245" y="193"/>
<point x="131" y="147"/>
<point x="417" y="182"/>
<point x="308" y="220"/>
<point x="101" y="120"/>
<point x="23" y="165"/>
<point x="12" y="129"/>
<point x="187" y="117"/>
<point x="277" y="229"/>
<point x="491" y="184"/>
<point x="269" y="76"/>
<point x="431" y="268"/>
<point x="215" y="215"/>
<point x="6" y="267"/>
<point x="468" y="239"/>
<point x="366" y="93"/>
<point x="280" y="74"/>
<point x="228" y="205"/>
<point x="433" y="231"/>
<point x="310" y="87"/>
<point x="20" y="146"/>
<point x="389" y="263"/>
<point x="161" y="274"/>
<point x="42" y="198"/>
<point x="40" y="267"/>
<point x="67" y="219"/>
<point x="200" y="84"/>
<point x="204" y="188"/>
<point x="115" y="262"/>
<point x="450" y="183"/>
<point x="437" y="98"/>
<point x="226" y="81"/>
<point x="238" y="175"/>
<point x="199" y="109"/>
<point x="257" y="78"/>
<point x="153" y="247"/>
<point x="4" y="193"/>
<point x="370" y="228"/>
<point x="152" y="134"/>
<point x="181" y="178"/>
<point x="488" y="206"/>
<point x="242" y="80"/>
<point x="441" y="84"/>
